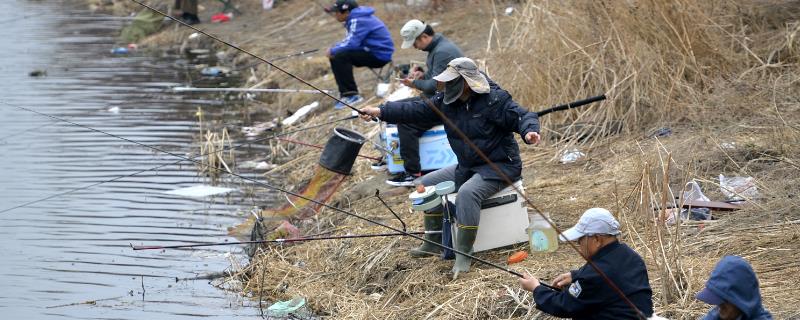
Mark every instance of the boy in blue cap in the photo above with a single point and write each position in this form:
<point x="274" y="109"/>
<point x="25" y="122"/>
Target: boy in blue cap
<point x="367" y="43"/>
<point x="733" y="290"/>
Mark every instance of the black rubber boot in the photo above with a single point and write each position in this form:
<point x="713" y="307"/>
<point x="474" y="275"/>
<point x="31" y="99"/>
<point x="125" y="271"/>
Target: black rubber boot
<point x="433" y="222"/>
<point x="464" y="241"/>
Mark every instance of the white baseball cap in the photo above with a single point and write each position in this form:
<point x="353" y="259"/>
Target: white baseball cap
<point x="593" y="221"/>
<point x="410" y="31"/>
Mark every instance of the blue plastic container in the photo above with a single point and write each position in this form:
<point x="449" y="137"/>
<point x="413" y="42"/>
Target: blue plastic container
<point x="434" y="150"/>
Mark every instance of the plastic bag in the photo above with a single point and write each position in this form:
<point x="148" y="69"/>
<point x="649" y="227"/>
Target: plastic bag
<point x="738" y="188"/>
<point x="284" y="308"/>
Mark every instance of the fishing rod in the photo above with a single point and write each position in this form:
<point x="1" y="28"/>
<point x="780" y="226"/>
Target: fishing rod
<point x="289" y="240"/>
<point x="248" y="53"/>
<point x="510" y="183"/>
<point x="166" y="164"/>
<point x="572" y="105"/>
<point x="321" y="147"/>
<point x="258" y="90"/>
<point x="286" y="191"/>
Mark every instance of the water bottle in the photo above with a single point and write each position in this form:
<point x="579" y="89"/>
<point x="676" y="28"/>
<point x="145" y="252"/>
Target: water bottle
<point x="542" y="237"/>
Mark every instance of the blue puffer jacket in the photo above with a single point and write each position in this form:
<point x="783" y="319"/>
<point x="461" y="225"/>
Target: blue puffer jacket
<point x="365" y="32"/>
<point x="488" y="120"/>
<point x="734" y="281"/>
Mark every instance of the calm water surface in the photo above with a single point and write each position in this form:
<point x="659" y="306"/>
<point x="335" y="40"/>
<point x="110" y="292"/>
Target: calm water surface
<point x="58" y="253"/>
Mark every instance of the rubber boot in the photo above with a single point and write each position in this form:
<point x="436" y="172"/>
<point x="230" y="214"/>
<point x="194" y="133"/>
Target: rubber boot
<point x="433" y="222"/>
<point x="464" y="241"/>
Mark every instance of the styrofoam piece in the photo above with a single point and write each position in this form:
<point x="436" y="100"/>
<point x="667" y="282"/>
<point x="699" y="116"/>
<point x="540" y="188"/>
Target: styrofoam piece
<point x="403" y="92"/>
<point x="502" y="225"/>
<point x="199" y="191"/>
<point x="300" y="114"/>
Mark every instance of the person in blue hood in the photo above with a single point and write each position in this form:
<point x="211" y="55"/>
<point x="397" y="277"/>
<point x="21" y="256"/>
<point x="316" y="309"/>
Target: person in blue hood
<point x="367" y="43"/>
<point x="733" y="290"/>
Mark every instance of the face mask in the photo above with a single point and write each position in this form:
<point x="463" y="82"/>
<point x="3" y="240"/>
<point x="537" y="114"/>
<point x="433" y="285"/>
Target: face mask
<point x="453" y="90"/>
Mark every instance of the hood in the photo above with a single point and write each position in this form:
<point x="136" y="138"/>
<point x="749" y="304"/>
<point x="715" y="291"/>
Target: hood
<point x="360" y="12"/>
<point x="734" y="281"/>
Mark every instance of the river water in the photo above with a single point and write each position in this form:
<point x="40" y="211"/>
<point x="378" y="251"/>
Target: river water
<point x="60" y="253"/>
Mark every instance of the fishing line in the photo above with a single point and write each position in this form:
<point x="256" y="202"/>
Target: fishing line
<point x="510" y="183"/>
<point x="212" y="244"/>
<point x="267" y="185"/>
<point x="321" y="147"/>
<point x="248" y="53"/>
<point x="162" y="165"/>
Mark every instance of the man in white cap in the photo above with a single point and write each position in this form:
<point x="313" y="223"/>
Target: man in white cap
<point x="588" y="295"/>
<point x="488" y="116"/>
<point x="441" y="51"/>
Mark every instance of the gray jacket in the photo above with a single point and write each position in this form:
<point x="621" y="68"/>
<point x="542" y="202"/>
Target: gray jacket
<point x="440" y="51"/>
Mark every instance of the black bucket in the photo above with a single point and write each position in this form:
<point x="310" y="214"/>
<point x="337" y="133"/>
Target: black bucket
<point x="341" y="150"/>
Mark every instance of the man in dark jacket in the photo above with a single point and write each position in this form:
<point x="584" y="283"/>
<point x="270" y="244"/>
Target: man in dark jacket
<point x="367" y="43"/>
<point x="488" y="117"/>
<point x="733" y="290"/>
<point x="440" y="52"/>
<point x="589" y="296"/>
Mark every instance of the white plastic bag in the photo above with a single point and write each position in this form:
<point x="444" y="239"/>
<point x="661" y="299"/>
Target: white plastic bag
<point x="738" y="188"/>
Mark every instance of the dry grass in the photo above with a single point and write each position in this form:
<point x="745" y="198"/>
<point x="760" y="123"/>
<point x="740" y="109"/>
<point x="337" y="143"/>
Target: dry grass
<point x="714" y="71"/>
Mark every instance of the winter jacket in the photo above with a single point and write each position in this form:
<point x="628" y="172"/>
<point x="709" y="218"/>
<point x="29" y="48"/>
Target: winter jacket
<point x="365" y="32"/>
<point x="734" y="281"/>
<point x="590" y="297"/>
<point x="440" y="51"/>
<point x="488" y="120"/>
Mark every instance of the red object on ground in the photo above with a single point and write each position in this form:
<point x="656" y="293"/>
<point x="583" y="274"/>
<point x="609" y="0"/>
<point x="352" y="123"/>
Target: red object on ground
<point x="517" y="257"/>
<point x="220" y="17"/>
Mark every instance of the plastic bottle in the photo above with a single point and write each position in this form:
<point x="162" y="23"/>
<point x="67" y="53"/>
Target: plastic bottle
<point x="541" y="236"/>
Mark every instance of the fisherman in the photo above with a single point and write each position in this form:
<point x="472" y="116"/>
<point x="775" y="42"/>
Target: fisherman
<point x="733" y="291"/>
<point x="188" y="10"/>
<point x="488" y="117"/>
<point x="440" y="51"/>
<point x="367" y="43"/>
<point x="589" y="295"/>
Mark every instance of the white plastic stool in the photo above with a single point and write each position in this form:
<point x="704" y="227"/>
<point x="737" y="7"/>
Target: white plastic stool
<point x="501" y="225"/>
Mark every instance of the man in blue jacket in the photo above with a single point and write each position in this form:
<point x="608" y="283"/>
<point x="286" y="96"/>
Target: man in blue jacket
<point x="367" y="43"/>
<point x="488" y="117"/>
<point x="733" y="290"/>
<point x="589" y="296"/>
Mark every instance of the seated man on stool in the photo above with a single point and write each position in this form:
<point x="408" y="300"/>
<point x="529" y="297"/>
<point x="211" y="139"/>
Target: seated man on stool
<point x="367" y="43"/>
<point x="440" y="52"/>
<point x="488" y="117"/>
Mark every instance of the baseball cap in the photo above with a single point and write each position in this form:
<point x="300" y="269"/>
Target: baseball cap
<point x="342" y="5"/>
<point x="410" y="31"/>
<point x="593" y="221"/>
<point x="466" y="68"/>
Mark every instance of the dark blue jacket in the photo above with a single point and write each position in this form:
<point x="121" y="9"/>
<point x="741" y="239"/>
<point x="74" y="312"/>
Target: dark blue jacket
<point x="590" y="297"/>
<point x="488" y="120"/>
<point x="734" y="281"/>
<point x="365" y="32"/>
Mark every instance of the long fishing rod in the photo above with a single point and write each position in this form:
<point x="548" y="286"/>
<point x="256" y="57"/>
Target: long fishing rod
<point x="269" y="186"/>
<point x="508" y="182"/>
<point x="258" y="90"/>
<point x="248" y="53"/>
<point x="321" y="147"/>
<point x="166" y="164"/>
<point x="289" y="240"/>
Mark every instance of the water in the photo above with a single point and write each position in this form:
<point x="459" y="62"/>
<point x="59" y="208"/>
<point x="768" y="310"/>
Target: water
<point x="61" y="252"/>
